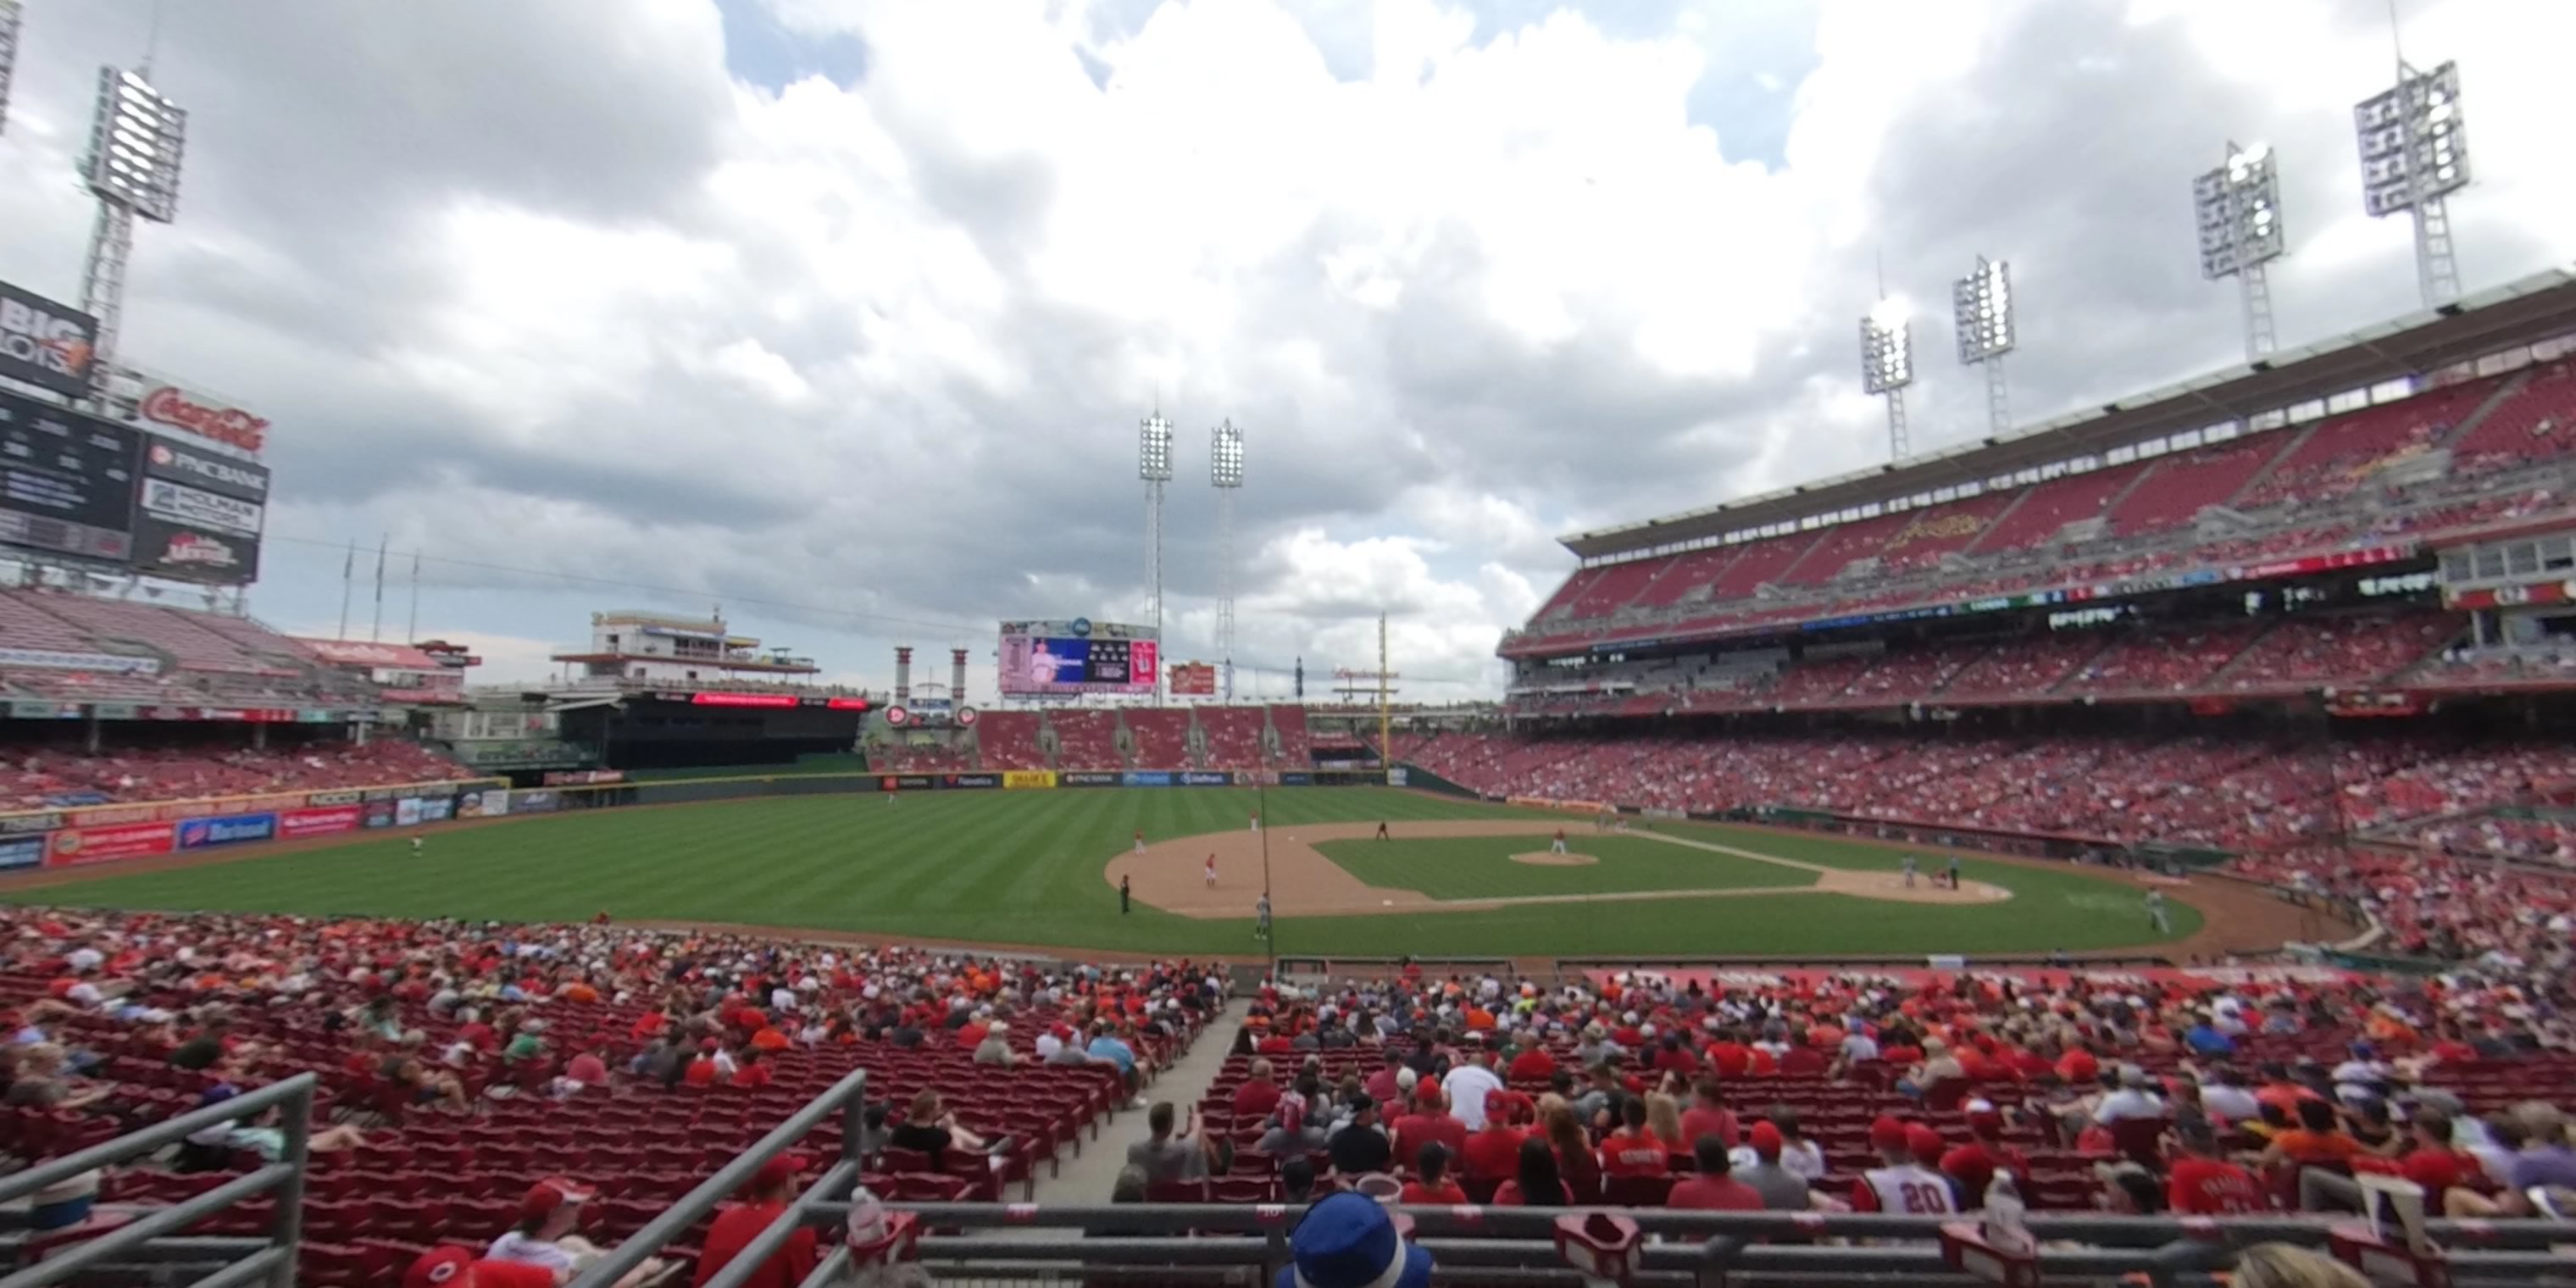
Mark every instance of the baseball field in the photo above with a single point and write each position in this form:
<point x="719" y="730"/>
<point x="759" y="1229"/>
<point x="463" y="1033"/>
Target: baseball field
<point x="1041" y="868"/>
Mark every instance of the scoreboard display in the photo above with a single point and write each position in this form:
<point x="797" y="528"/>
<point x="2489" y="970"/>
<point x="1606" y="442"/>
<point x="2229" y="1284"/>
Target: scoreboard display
<point x="66" y="480"/>
<point x="1043" y="658"/>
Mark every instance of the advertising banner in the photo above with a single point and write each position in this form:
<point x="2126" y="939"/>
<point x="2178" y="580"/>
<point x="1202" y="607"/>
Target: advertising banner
<point x="1206" y="778"/>
<point x="330" y="820"/>
<point x="1086" y="778"/>
<point x="407" y="812"/>
<point x="198" y="508"/>
<point x="972" y="780"/>
<point x="241" y="480"/>
<point x="66" y="480"/>
<point x="380" y="814"/>
<point x="22" y="852"/>
<point x="75" y="846"/>
<point x="168" y="406"/>
<point x="43" y="343"/>
<point x="1395" y="776"/>
<point x="437" y="809"/>
<point x="1193" y="680"/>
<point x="1022" y="780"/>
<point x="1293" y="778"/>
<point x="225" y="829"/>
<point x="45" y="659"/>
<point x="535" y="802"/>
<point x="1145" y="778"/>
<point x="166" y="549"/>
<point x="907" y="783"/>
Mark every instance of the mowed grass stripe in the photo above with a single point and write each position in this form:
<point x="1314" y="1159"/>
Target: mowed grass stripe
<point x="1470" y="867"/>
<point x="1025" y="867"/>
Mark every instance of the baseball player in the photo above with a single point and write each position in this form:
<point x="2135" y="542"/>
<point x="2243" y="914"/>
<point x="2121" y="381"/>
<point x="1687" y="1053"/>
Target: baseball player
<point x="1261" y="917"/>
<point x="2156" y="912"/>
<point x="1557" y="846"/>
<point x="1909" y="871"/>
<point x="1140" y="840"/>
<point x="1211" y="870"/>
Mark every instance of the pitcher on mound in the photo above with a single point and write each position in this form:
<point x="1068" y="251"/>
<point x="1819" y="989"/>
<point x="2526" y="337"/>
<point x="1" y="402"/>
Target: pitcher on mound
<point x="1557" y="846"/>
<point x="1211" y="870"/>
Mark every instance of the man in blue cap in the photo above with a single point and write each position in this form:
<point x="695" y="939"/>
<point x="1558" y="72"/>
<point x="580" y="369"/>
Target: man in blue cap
<point x="1349" y="1241"/>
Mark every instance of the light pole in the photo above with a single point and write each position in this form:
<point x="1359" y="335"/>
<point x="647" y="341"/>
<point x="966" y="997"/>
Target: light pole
<point x="9" y="17"/>
<point x="1981" y="309"/>
<point x="1225" y="469"/>
<point x="1154" y="465"/>
<point x="2238" y="208"/>
<point x="1887" y="366"/>
<point x="136" y="139"/>
<point x="2414" y="154"/>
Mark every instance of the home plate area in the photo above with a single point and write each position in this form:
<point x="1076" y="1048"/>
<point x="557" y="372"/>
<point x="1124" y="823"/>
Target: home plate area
<point x="1346" y="869"/>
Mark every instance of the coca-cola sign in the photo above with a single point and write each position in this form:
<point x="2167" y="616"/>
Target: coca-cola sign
<point x="175" y="408"/>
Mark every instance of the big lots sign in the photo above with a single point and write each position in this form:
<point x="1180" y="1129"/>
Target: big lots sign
<point x="174" y="407"/>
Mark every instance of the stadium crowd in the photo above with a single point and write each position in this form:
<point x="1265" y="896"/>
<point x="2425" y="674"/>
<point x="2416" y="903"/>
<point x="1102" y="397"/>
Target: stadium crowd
<point x="2258" y="793"/>
<point x="35" y="777"/>
<point x="2211" y="1096"/>
<point x="468" y="1067"/>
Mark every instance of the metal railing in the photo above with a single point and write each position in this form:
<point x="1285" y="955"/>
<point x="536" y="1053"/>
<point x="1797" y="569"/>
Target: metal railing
<point x="1704" y="1248"/>
<point x="848" y="1098"/>
<point x="272" y="1264"/>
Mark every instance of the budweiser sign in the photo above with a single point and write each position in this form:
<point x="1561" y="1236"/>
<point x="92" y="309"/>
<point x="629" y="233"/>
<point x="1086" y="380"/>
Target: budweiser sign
<point x="171" y="406"/>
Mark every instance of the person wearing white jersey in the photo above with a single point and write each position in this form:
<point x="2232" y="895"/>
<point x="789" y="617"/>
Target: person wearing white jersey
<point x="1907" y="1185"/>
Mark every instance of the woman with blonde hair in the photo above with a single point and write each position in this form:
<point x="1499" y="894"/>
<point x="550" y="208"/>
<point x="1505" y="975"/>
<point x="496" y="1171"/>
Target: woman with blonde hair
<point x="1575" y="1163"/>
<point x="2282" y="1265"/>
<point x="1664" y="1122"/>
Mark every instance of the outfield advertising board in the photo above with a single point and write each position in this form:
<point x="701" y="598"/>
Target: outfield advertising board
<point x="1145" y="778"/>
<point x="329" y="820"/>
<point x="1088" y="778"/>
<point x="22" y="852"/>
<point x="77" y="846"/>
<point x="1024" y="780"/>
<point x="971" y="780"/>
<point x="226" y="829"/>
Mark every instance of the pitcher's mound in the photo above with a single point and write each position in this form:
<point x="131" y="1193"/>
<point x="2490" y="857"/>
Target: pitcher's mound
<point x="1552" y="859"/>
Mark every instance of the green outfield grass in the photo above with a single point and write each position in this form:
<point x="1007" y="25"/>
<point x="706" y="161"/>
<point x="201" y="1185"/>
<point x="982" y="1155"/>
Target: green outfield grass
<point x="1473" y="867"/>
<point x="1025" y="868"/>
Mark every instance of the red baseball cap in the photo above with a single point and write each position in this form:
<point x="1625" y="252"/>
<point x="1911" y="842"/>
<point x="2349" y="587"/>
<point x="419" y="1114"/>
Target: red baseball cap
<point x="1886" y="1133"/>
<point x="549" y="1194"/>
<point x="1427" y="1092"/>
<point x="779" y="1170"/>
<point x="440" y="1266"/>
<point x="1766" y="1140"/>
<point x="1923" y="1142"/>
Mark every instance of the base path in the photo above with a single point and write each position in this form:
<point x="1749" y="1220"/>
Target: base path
<point x="1172" y="875"/>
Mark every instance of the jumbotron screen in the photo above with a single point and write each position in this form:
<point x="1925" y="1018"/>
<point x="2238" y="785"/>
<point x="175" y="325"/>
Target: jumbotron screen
<point x="1077" y="656"/>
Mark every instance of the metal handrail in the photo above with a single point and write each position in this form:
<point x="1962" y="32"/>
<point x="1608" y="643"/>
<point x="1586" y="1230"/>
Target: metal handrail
<point x="273" y="1264"/>
<point x="848" y="1097"/>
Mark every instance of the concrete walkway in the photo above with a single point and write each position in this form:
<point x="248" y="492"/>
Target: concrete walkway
<point x="1088" y="1176"/>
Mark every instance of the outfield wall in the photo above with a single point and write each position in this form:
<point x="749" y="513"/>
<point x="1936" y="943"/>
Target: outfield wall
<point x="81" y="835"/>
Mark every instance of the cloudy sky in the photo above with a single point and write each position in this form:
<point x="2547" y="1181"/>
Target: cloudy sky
<point x="842" y="314"/>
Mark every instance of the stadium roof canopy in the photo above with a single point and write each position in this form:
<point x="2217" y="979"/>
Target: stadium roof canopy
<point x="2532" y="308"/>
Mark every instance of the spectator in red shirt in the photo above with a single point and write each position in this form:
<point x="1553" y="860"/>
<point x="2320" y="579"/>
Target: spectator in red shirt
<point x="1431" y="1183"/>
<point x="1383" y="1086"/>
<point x="752" y="1071"/>
<point x="1258" y="1095"/>
<point x="1533" y="1063"/>
<point x="1493" y="1154"/>
<point x="1729" y="1055"/>
<point x="454" y="1267"/>
<point x="764" y="1199"/>
<point x="1709" y="1116"/>
<point x="1712" y="1189"/>
<point x="702" y="1071"/>
<point x="2203" y="1182"/>
<point x="1535" y="1183"/>
<point x="1633" y="1150"/>
<point x="1429" y="1123"/>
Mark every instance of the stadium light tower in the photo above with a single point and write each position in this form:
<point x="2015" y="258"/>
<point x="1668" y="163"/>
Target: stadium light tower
<point x="1887" y="366"/>
<point x="1154" y="465"/>
<point x="2414" y="154"/>
<point x="1225" y="469"/>
<point x="1981" y="309"/>
<point x="2238" y="207"/>
<point x="9" y="13"/>
<point x="135" y="142"/>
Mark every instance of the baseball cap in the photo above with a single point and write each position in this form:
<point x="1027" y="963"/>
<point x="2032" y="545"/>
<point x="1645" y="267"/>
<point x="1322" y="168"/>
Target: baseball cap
<point x="1765" y="1140"/>
<point x="549" y="1194"/>
<point x="779" y="1170"/>
<point x="1887" y="1133"/>
<point x="1922" y="1142"/>
<point x="439" y="1266"/>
